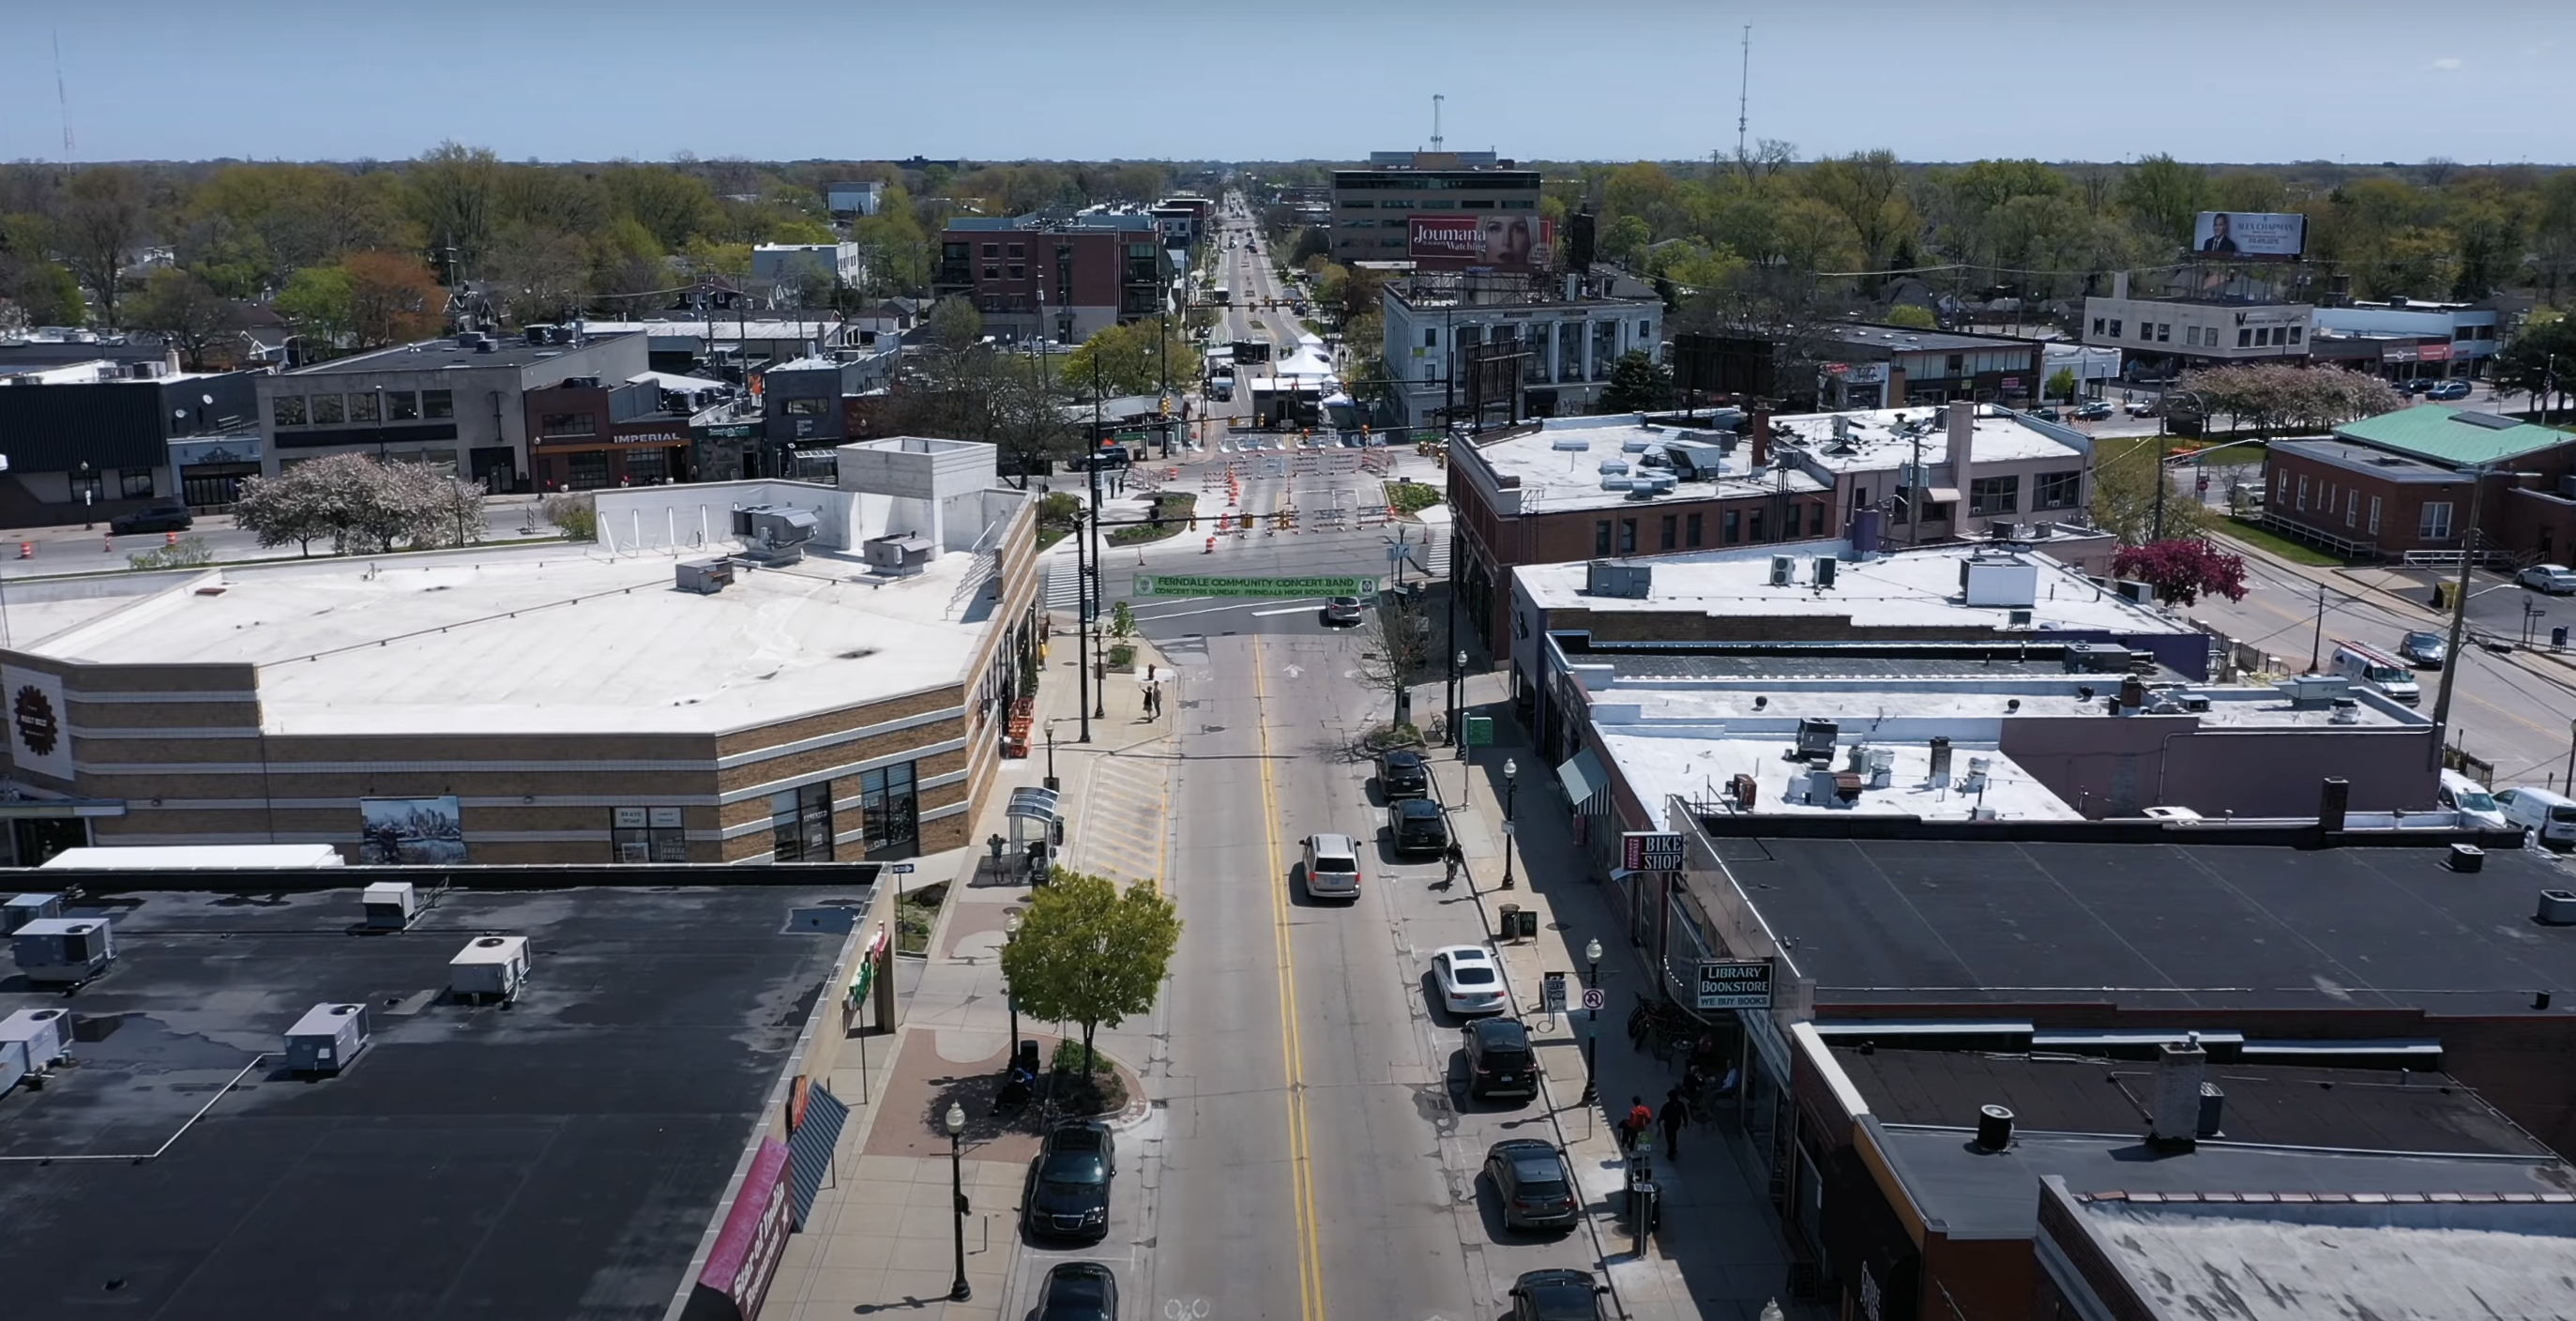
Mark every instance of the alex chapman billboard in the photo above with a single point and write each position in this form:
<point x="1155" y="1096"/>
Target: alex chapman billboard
<point x="2250" y="235"/>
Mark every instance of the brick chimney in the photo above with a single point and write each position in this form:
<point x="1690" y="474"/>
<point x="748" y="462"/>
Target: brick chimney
<point x="1963" y="435"/>
<point x="1761" y="440"/>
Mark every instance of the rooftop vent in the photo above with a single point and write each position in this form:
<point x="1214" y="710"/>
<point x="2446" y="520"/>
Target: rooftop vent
<point x="2557" y="908"/>
<point x="705" y="577"/>
<point x="1994" y="1128"/>
<point x="489" y="968"/>
<point x="900" y="554"/>
<point x="326" y="1039"/>
<point x="2490" y="421"/>
<point x="1611" y="466"/>
<point x="27" y="908"/>
<point x="774" y="534"/>
<point x="390" y="905"/>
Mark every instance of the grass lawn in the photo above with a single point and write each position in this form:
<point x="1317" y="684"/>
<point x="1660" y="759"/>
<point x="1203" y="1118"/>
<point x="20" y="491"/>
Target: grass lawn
<point x="1411" y="497"/>
<point x="2254" y="534"/>
<point x="1174" y="506"/>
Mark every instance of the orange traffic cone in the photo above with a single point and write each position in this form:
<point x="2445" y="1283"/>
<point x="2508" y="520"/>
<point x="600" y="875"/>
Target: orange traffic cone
<point x="1211" y="547"/>
<point x="169" y="538"/>
<point x="26" y="550"/>
<point x="110" y="547"/>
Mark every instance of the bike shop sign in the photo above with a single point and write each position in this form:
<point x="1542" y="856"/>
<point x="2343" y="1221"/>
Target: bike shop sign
<point x="1734" y="984"/>
<point x="1641" y="850"/>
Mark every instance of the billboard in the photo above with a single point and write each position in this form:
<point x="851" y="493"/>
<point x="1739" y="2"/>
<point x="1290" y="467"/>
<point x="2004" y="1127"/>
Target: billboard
<point x="412" y="831"/>
<point x="2251" y="235"/>
<point x="1517" y="241"/>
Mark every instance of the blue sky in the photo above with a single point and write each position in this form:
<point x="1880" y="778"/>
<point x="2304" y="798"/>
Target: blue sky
<point x="2238" y="80"/>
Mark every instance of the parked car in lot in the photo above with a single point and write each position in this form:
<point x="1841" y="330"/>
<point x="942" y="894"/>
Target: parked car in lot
<point x="1402" y="774"/>
<point x="159" y="516"/>
<point x="2424" y="649"/>
<point x="2143" y="407"/>
<point x="2451" y="389"/>
<point x="2544" y="812"/>
<point x="1418" y="826"/>
<point x="1471" y="982"/>
<point x="2555" y="579"/>
<point x="1533" y="1184"/>
<point x="1499" y="1061"/>
<point x="2094" y="411"/>
<point x="2470" y="799"/>
<point x="1078" y="1291"/>
<point x="1068" y="1190"/>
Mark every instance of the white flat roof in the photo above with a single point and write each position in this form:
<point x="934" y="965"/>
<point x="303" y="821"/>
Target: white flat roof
<point x="552" y="640"/>
<point x="1699" y="769"/>
<point x="1558" y="479"/>
<point x="183" y="856"/>
<point x="1909" y="588"/>
<point x="1970" y="710"/>
<point x="1871" y="441"/>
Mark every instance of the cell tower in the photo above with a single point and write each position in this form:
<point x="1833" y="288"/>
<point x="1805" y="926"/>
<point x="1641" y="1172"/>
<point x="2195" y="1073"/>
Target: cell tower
<point x="62" y="99"/>
<point x="1436" y="99"/>
<point x="1743" y="91"/>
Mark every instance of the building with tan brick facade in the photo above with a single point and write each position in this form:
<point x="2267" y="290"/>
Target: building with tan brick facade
<point x="575" y="703"/>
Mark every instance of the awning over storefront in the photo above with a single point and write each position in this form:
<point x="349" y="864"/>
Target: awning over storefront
<point x="1582" y="776"/>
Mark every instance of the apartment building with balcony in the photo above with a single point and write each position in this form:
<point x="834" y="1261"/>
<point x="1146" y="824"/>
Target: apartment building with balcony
<point x="1056" y="276"/>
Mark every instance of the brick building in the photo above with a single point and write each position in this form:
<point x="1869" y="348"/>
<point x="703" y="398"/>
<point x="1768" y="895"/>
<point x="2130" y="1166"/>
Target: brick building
<point x="1055" y="277"/>
<point x="2402" y="481"/>
<point x="584" y="435"/>
<point x="560" y="707"/>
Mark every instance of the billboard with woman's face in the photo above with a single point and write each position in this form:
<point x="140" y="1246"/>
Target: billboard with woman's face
<point x="1512" y="241"/>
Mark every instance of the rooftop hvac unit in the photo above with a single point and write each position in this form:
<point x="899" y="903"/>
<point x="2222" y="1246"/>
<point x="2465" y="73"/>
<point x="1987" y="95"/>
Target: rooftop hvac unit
<point x="466" y="339"/>
<point x="774" y="534"/>
<point x="13" y="1064"/>
<point x="1618" y="484"/>
<point x="2138" y="592"/>
<point x="27" y="908"/>
<point x="1613" y="467"/>
<point x="326" y="1039"/>
<point x="1784" y="570"/>
<point x="64" y="951"/>
<point x="899" y="554"/>
<point x="1816" y="739"/>
<point x="1635" y="445"/>
<point x="541" y="334"/>
<point x="1631" y="581"/>
<point x="489" y="967"/>
<point x="2096" y="658"/>
<point x="390" y="905"/>
<point x="705" y="577"/>
<point x="42" y="1036"/>
<point x="1826" y="569"/>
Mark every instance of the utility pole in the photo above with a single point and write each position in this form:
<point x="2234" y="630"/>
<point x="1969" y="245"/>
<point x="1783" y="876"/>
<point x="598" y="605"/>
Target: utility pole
<point x="2159" y="466"/>
<point x="2317" y="648"/>
<point x="1082" y="611"/>
<point x="2459" y="609"/>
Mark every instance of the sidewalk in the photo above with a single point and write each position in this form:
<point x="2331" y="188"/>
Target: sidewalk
<point x="881" y="1237"/>
<point x="1719" y="1252"/>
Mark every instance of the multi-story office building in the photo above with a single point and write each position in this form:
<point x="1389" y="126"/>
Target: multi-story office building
<point x="1373" y="209"/>
<point x="1058" y="277"/>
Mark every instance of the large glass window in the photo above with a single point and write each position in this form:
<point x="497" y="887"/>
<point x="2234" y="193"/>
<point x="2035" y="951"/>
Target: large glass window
<point x="646" y="467"/>
<point x="1994" y="495"/>
<point x="402" y="406"/>
<point x="366" y="406"/>
<point x="890" y="812"/>
<point x="287" y="410"/>
<point x="800" y="821"/>
<point x="588" y="471"/>
<point x="327" y="411"/>
<point x="134" y="483"/>
<point x="437" y="403"/>
<point x="647" y="834"/>
<point x="2059" y="490"/>
<point x="2436" y="522"/>
<point x="567" y="424"/>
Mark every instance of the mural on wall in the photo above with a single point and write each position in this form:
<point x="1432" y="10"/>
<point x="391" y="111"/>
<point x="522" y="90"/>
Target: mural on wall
<point x="412" y="831"/>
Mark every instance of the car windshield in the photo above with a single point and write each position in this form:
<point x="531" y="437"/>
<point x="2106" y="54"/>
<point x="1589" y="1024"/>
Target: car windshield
<point x="2423" y="639"/>
<point x="2386" y="674"/>
<point x="2475" y="801"/>
<point x="1077" y="1168"/>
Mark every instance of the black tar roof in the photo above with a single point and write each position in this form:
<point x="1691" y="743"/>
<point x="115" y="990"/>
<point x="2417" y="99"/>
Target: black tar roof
<point x="2360" y="1109"/>
<point x="1879" y="922"/>
<point x="559" y="1158"/>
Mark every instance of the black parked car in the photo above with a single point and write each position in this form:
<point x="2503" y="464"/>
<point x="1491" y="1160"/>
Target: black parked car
<point x="1558" y="1295"/>
<point x="1499" y="1062"/>
<point x="1536" y="1189"/>
<point x="1418" y="825"/>
<point x="1401" y="774"/>
<point x="1068" y="1192"/>
<point x="159" y="516"/>
<point x="1078" y="1291"/>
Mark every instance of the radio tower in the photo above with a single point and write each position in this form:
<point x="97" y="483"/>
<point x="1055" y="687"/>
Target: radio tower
<point x="62" y="99"/>
<point x="1436" y="99"/>
<point x="1743" y="91"/>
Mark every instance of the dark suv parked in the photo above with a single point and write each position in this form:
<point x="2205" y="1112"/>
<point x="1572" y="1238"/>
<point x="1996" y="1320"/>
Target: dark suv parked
<point x="159" y="516"/>
<point x="1068" y="1193"/>
<point x="1401" y="774"/>
<point x="1418" y="825"/>
<point x="1499" y="1062"/>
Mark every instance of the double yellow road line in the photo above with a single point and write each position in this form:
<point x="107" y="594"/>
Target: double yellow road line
<point x="1301" y="1163"/>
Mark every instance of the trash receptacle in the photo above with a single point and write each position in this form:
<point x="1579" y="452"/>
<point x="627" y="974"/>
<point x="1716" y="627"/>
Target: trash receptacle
<point x="1511" y="922"/>
<point x="2558" y="638"/>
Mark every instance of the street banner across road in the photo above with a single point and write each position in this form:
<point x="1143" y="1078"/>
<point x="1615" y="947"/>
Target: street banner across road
<point x="1191" y="584"/>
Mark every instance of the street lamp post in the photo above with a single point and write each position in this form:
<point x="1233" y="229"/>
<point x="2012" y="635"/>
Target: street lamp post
<point x="1592" y="1013"/>
<point x="1511" y="799"/>
<point x="1458" y="691"/>
<point x="959" y="1291"/>
<point x="1011" y="936"/>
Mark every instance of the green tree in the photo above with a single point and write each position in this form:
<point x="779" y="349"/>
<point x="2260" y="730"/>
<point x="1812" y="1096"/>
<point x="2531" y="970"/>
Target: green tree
<point x="186" y="312"/>
<point x="542" y="274"/>
<point x="1868" y="189"/>
<point x="1088" y="953"/>
<point x="317" y="300"/>
<point x="2125" y="476"/>
<point x="1913" y="315"/>
<point x="2061" y="384"/>
<point x="1638" y="384"/>
<point x="955" y="324"/>
<point x="455" y="192"/>
<point x="2540" y="360"/>
<point x="2165" y="197"/>
<point x="99" y="228"/>
<point x="1130" y="359"/>
<point x="1625" y="241"/>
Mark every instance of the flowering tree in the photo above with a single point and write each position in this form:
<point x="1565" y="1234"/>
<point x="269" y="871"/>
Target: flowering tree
<point x="2181" y="570"/>
<point x="2277" y="395"/>
<point x="362" y="505"/>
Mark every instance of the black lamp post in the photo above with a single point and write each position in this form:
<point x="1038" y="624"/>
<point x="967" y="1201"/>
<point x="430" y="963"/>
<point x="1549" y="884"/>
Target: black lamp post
<point x="1511" y="800"/>
<point x="959" y="1291"/>
<point x="1050" y="780"/>
<point x="1011" y="936"/>
<point x="1592" y="1034"/>
<point x="1457" y="687"/>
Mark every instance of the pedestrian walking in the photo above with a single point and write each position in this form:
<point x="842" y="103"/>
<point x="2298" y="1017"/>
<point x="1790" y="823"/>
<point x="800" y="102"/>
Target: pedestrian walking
<point x="1641" y="1119"/>
<point x="1675" y="1114"/>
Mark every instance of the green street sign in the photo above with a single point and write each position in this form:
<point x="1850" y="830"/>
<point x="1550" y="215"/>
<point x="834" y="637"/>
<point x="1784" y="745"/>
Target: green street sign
<point x="1480" y="731"/>
<point x="1195" y="584"/>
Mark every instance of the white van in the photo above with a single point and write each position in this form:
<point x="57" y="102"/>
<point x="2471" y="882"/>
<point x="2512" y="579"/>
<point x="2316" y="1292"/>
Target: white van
<point x="2369" y="667"/>
<point x="2550" y="815"/>
<point x="2471" y="800"/>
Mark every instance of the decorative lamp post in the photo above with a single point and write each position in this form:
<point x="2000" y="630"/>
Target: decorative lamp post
<point x="1511" y="799"/>
<point x="1458" y="699"/>
<point x="959" y="1291"/>
<point x="1592" y="1013"/>
<point x="1011" y="936"/>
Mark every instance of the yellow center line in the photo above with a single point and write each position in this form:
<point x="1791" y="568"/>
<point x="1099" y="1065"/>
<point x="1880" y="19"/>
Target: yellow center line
<point x="1310" y="1270"/>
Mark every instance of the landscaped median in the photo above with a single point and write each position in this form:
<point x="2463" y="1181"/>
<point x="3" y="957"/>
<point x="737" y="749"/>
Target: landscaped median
<point x="1175" y="508"/>
<point x="1406" y="497"/>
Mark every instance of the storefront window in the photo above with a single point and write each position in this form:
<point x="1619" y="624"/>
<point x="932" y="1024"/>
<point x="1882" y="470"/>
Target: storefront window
<point x="644" y="467"/>
<point x="589" y="471"/>
<point x="890" y="812"/>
